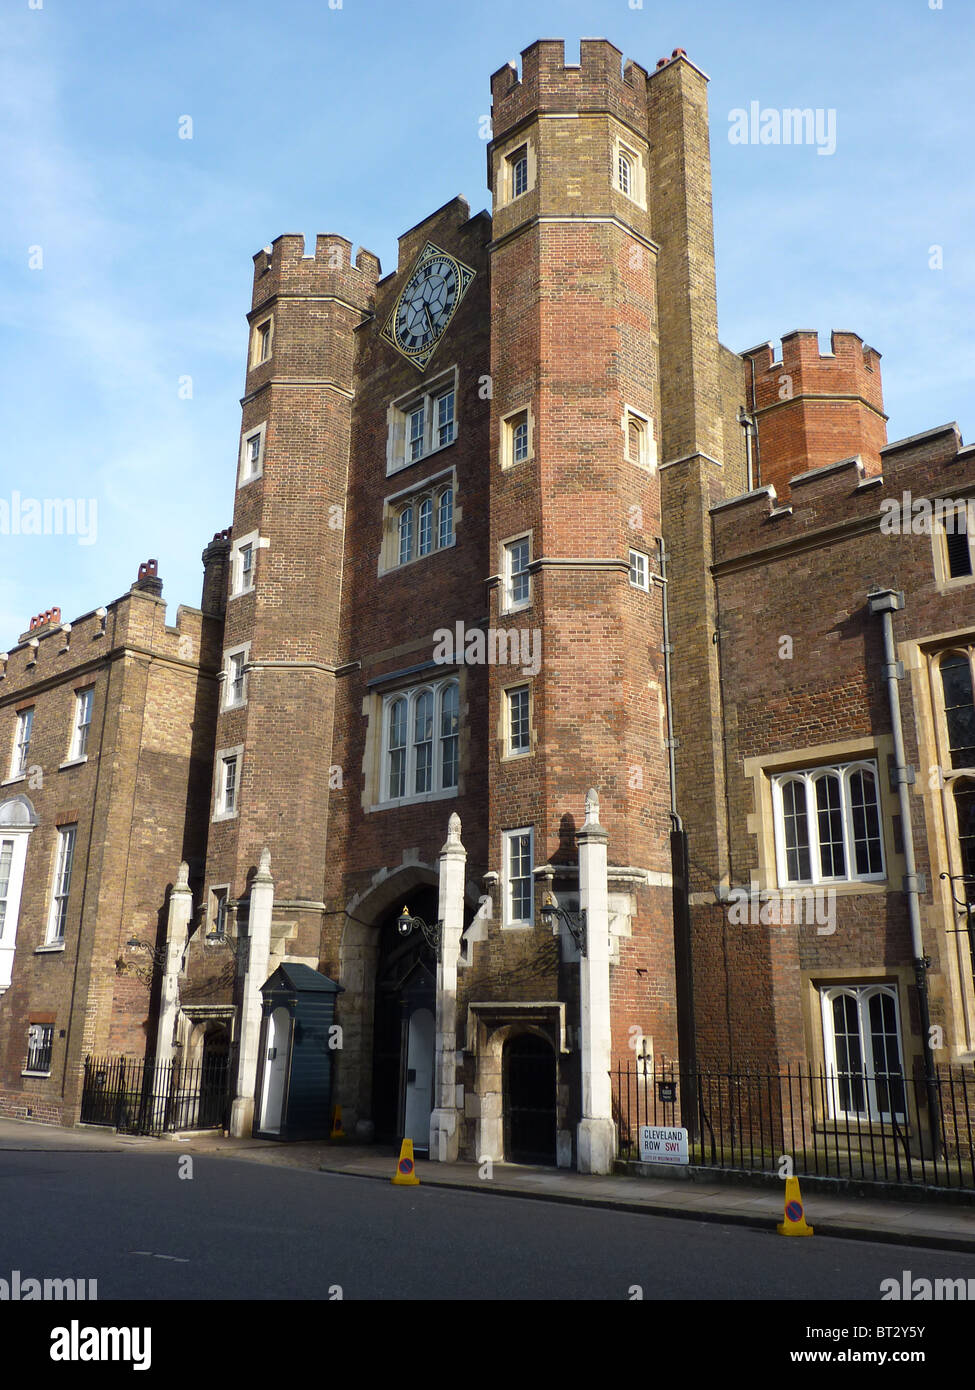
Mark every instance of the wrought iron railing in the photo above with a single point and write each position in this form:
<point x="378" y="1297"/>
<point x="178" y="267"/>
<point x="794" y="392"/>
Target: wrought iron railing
<point x="872" y="1127"/>
<point x="137" y="1097"/>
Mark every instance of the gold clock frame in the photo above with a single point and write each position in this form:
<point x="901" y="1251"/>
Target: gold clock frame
<point x="465" y="274"/>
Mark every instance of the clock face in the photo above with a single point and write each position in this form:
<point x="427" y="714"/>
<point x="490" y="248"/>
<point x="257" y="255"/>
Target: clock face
<point x="427" y="303"/>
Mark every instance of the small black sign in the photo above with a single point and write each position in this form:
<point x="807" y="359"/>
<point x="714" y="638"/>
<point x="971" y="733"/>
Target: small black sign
<point x="667" y="1092"/>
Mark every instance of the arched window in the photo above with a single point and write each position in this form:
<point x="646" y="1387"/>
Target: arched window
<point x="423" y="741"/>
<point x="406" y="535"/>
<point x="445" y="518"/>
<point x="396" y="782"/>
<point x="625" y="172"/>
<point x="827" y="825"/>
<point x="425" y="530"/>
<point x="959" y="707"/>
<point x="449" y="704"/>
<point x="420" y="742"/>
<point x="861" y="1038"/>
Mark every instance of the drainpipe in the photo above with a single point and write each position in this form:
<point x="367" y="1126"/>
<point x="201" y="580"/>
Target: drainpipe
<point x="886" y="602"/>
<point x="751" y="433"/>
<point x="680" y="874"/>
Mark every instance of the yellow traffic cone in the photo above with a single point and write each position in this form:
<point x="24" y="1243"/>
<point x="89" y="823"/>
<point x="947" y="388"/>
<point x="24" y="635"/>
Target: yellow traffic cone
<point x="337" y="1131"/>
<point x="405" y="1175"/>
<point x="795" y="1215"/>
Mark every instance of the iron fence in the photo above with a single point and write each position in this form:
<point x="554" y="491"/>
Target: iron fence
<point x="872" y="1127"/>
<point x="137" y="1097"/>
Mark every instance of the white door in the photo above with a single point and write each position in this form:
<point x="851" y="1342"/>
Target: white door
<point x="275" y="1061"/>
<point x="419" y="1078"/>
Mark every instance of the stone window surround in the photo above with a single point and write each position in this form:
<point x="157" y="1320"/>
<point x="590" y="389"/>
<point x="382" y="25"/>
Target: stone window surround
<point x="226" y="703"/>
<point x="760" y="822"/>
<point x="397" y="420"/>
<point x="506" y="836"/>
<point x="625" y="143"/>
<point x="843" y="772"/>
<point x="375" y="707"/>
<point x="505" y="605"/>
<point x="222" y="754"/>
<point x="507" y="437"/>
<point x="256" y="360"/>
<point x="244" y="476"/>
<point x="648" y="450"/>
<point x="509" y="754"/>
<point x="920" y="659"/>
<point x="253" y="539"/>
<point x="393" y="505"/>
<point x="814" y="982"/>
<point x="505" y="166"/>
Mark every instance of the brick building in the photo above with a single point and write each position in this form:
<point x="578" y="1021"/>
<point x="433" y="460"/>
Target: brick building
<point x="108" y="722"/>
<point x="511" y="523"/>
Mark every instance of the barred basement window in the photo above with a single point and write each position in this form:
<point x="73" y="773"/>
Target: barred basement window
<point x="40" y="1045"/>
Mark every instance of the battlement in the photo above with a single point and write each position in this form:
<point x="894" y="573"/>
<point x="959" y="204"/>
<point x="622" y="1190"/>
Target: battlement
<point x="843" y="495"/>
<point x="285" y="268"/>
<point x="600" y="81"/>
<point x="849" y="368"/>
<point x="814" y="408"/>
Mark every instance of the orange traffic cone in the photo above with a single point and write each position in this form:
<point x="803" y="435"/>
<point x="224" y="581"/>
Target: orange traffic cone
<point x="795" y="1215"/>
<point x="405" y="1175"/>
<point x="337" y="1131"/>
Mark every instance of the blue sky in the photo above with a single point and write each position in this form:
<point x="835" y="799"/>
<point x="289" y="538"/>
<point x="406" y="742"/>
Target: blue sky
<point x="360" y="119"/>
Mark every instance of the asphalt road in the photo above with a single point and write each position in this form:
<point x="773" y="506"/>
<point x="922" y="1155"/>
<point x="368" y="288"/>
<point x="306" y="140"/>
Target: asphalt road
<point x="241" y="1230"/>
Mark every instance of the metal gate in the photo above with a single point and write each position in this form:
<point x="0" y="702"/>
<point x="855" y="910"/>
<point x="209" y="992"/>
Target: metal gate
<point x="135" y="1097"/>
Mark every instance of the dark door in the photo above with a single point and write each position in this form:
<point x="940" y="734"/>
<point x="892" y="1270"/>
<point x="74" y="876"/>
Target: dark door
<point x="214" y="1078"/>
<point x="528" y="1078"/>
<point x="405" y="982"/>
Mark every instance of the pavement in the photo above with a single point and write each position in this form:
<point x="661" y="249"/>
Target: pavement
<point x="924" y="1221"/>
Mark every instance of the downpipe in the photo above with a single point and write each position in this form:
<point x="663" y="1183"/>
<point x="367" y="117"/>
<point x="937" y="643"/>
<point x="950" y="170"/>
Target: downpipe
<point x="886" y="602"/>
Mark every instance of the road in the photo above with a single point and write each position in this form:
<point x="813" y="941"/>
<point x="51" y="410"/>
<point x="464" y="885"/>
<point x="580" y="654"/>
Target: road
<point x="244" y="1230"/>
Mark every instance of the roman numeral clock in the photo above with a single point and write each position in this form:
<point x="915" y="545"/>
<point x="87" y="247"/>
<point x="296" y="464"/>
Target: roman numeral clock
<point x="427" y="303"/>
